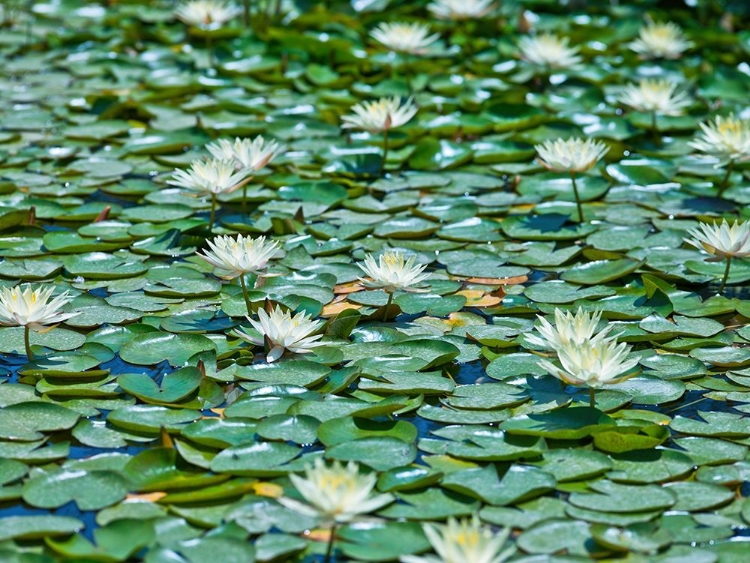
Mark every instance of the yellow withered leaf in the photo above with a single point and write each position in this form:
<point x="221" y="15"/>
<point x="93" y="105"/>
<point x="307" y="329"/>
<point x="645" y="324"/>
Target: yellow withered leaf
<point x="351" y="287"/>
<point x="476" y="298"/>
<point x="146" y="497"/>
<point x="268" y="489"/>
<point x="333" y="309"/>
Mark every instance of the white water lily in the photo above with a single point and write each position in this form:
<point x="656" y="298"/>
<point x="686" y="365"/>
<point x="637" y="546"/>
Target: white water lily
<point x="549" y="51"/>
<point x="570" y="155"/>
<point x="252" y="154"/>
<point x="464" y="541"/>
<point x="284" y="332"/>
<point x="32" y="308"/>
<point x="393" y="271"/>
<point x="461" y="9"/>
<point x="727" y="137"/>
<point x="568" y="329"/>
<point x="336" y="492"/>
<point x="241" y="255"/>
<point x="594" y="363"/>
<point x="723" y="241"/>
<point x="411" y="38"/>
<point x="210" y="176"/>
<point x="380" y="115"/>
<point x="655" y="96"/>
<point x="660" y="41"/>
<point x="206" y="13"/>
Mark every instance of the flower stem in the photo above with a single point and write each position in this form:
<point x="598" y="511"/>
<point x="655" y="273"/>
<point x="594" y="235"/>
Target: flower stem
<point x="245" y="295"/>
<point x="387" y="306"/>
<point x="210" y="49"/>
<point x="329" y="550"/>
<point x="655" y="136"/>
<point x="578" y="198"/>
<point x="212" y="217"/>
<point x="244" y="199"/>
<point x="385" y="152"/>
<point x="27" y="342"/>
<point x="246" y="12"/>
<point x="725" y="181"/>
<point x="592" y="397"/>
<point x="726" y="275"/>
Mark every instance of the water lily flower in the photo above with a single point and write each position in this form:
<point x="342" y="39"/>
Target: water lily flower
<point x="380" y="115"/>
<point x="572" y="156"/>
<point x="410" y="38"/>
<point x="461" y="9"/>
<point x="393" y="271"/>
<point x="723" y="241"/>
<point x="727" y="138"/>
<point x="338" y="493"/>
<point x="568" y="329"/>
<point x="283" y="332"/>
<point x="549" y="51"/>
<point x="32" y="309"/>
<point x="593" y="363"/>
<point x="464" y="541"/>
<point x="206" y="13"/>
<point x="252" y="154"/>
<point x="660" y="41"/>
<point x="212" y="177"/>
<point x="655" y="96"/>
<point x="240" y="256"/>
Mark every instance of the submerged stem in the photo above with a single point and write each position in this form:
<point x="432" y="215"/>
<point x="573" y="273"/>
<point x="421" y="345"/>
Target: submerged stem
<point x="726" y="275"/>
<point x="27" y="343"/>
<point x="329" y="550"/>
<point x="655" y="135"/>
<point x="212" y="217"/>
<point x="210" y="49"/>
<point x="245" y="295"/>
<point x="578" y="198"/>
<point x="725" y="182"/>
<point x="385" y="152"/>
<point x="387" y="306"/>
<point x="246" y="12"/>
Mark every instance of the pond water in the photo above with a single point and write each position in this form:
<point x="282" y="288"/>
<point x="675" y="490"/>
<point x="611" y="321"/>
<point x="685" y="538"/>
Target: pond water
<point x="147" y="428"/>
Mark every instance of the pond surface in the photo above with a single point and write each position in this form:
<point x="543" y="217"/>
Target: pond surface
<point x="144" y="429"/>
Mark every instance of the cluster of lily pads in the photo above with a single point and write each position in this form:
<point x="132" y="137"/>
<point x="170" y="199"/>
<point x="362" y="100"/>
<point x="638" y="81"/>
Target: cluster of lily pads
<point x="425" y="282"/>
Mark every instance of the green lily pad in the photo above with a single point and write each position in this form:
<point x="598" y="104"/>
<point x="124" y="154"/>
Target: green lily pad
<point x="90" y="490"/>
<point x="154" y="347"/>
<point x="174" y="387"/>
